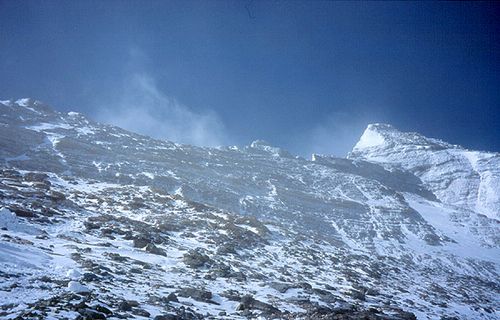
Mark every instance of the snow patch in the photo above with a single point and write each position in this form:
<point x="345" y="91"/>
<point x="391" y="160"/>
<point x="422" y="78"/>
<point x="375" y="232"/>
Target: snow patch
<point x="23" y="102"/>
<point x="73" y="274"/>
<point x="11" y="222"/>
<point x="149" y="175"/>
<point x="49" y="126"/>
<point x="77" y="287"/>
<point x="84" y="131"/>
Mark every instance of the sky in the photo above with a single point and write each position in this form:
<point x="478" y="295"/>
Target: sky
<point x="304" y="76"/>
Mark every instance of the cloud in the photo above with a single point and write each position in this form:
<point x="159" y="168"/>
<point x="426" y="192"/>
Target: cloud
<point x="141" y="107"/>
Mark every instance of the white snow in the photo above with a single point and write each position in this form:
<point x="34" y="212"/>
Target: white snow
<point x="49" y="126"/>
<point x="23" y="102"/>
<point x="488" y="195"/>
<point x="463" y="178"/>
<point x="11" y="222"/>
<point x="370" y="138"/>
<point x="473" y="157"/>
<point x="358" y="220"/>
<point x="85" y="130"/>
<point x="73" y="274"/>
<point x="440" y="217"/>
<point x="266" y="147"/>
<point x="77" y="287"/>
<point x="18" y="256"/>
<point x="148" y="174"/>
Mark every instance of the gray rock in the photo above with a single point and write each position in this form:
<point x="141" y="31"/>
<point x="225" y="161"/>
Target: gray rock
<point x="196" y="259"/>
<point x="90" y="314"/>
<point x="247" y="302"/>
<point x="151" y="248"/>
<point x="103" y="309"/>
<point x="140" y="312"/>
<point x="281" y="286"/>
<point x="167" y="317"/>
<point x="117" y="257"/>
<point x="140" y="242"/>
<point x="196" y="294"/>
<point x="172" y="297"/>
<point x="125" y="306"/>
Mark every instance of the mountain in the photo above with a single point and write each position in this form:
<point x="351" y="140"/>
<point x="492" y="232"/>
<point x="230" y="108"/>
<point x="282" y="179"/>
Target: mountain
<point x="98" y="222"/>
<point x="463" y="178"/>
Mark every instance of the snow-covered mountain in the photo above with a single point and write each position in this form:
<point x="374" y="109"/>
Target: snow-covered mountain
<point x="97" y="222"/>
<point x="464" y="178"/>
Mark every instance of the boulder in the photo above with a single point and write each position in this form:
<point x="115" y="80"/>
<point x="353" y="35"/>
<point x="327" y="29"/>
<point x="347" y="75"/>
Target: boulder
<point x="196" y="259"/>
<point x="151" y="248"/>
<point x="90" y="314"/>
<point x="172" y="297"/>
<point x="140" y="242"/>
<point x="247" y="302"/>
<point x="196" y="294"/>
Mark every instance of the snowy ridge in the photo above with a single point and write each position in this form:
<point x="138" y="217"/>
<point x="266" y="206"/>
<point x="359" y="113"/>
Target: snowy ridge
<point x="97" y="222"/>
<point x="468" y="179"/>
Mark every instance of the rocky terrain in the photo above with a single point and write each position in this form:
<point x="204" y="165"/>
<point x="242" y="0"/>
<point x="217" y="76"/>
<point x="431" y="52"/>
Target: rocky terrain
<point x="100" y="223"/>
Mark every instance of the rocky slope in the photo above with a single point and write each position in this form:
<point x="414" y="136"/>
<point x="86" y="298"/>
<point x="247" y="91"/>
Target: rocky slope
<point x="98" y="222"/>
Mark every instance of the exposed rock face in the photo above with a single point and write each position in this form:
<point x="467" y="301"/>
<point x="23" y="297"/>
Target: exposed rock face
<point x="406" y="224"/>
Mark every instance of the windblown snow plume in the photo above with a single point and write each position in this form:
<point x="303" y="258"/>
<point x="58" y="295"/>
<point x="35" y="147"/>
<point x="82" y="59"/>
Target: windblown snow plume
<point x="142" y="108"/>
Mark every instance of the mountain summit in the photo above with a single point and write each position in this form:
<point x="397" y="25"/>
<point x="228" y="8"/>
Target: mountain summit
<point x="460" y="177"/>
<point x="378" y="135"/>
<point x="98" y="222"/>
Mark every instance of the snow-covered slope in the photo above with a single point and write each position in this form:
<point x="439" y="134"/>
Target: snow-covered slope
<point x="101" y="222"/>
<point x="465" y="178"/>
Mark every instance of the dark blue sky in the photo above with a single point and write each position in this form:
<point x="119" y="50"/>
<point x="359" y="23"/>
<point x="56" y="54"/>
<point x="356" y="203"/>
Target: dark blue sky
<point x="307" y="76"/>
